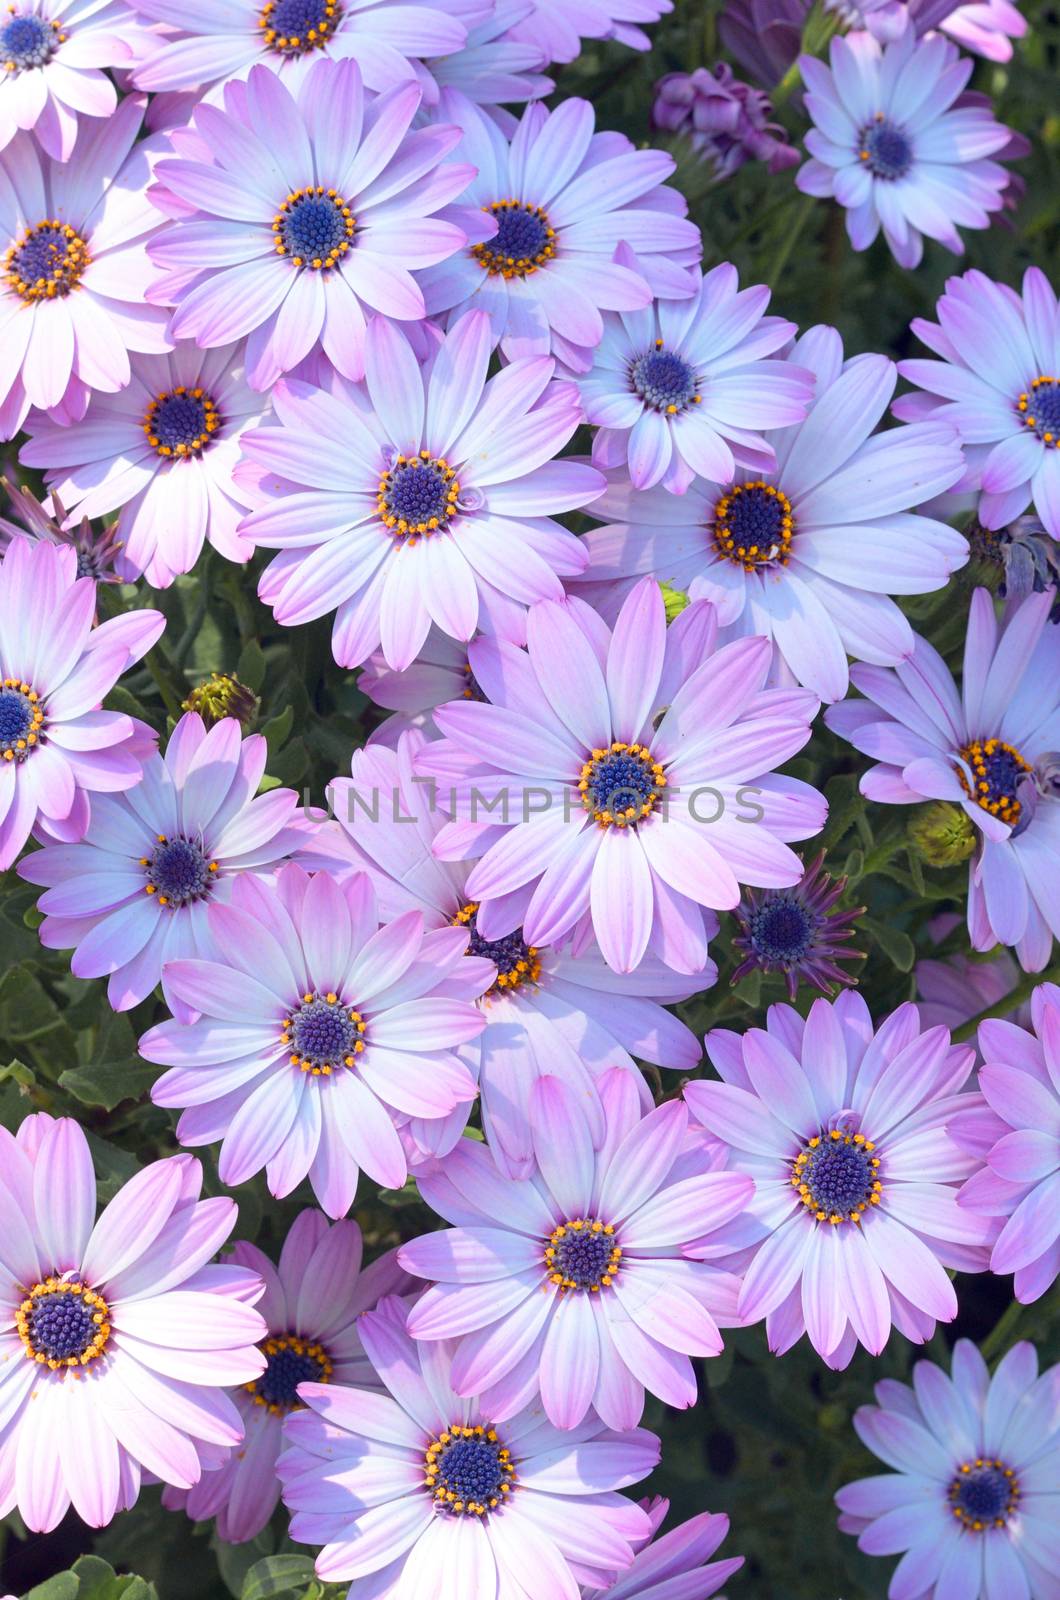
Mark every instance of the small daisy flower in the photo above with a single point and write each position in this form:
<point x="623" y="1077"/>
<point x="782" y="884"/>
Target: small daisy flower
<point x="679" y="387"/>
<point x="674" y="1565"/>
<point x="120" y="1340"/>
<point x="798" y="932"/>
<point x="420" y="1481"/>
<point x="134" y="892"/>
<point x="1020" y="1079"/>
<point x="892" y="148"/>
<point x="951" y="990"/>
<point x="970" y="1502"/>
<point x="563" y="198"/>
<point x="315" y="208"/>
<point x="812" y="550"/>
<point x="318" y="1032"/>
<point x="52" y="56"/>
<point x="590" y="1301"/>
<point x="75" y="274"/>
<point x="311" y="1304"/>
<point x="548" y="1009"/>
<point x="838" y="1124"/>
<point x="991" y="750"/>
<point x="96" y="549"/>
<point x="431" y="499"/>
<point x="1002" y="394"/>
<point x="56" y="745"/>
<point x="162" y="451"/>
<point x="441" y="672"/>
<point x="209" y="45"/>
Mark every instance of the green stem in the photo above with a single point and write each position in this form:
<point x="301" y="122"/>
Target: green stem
<point x="999" y="1338"/>
<point x="806" y="205"/>
<point x="171" y="693"/>
<point x="1004" y="1007"/>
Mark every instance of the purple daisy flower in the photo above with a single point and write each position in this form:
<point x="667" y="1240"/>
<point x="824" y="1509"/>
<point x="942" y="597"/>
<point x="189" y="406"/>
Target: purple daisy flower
<point x="494" y="68"/>
<point x="224" y="39"/>
<point x="163" y="450"/>
<point x="563" y="198"/>
<point x="436" y="505"/>
<point x="560" y="26"/>
<point x="971" y="1501"/>
<point x="96" y="549"/>
<point x="1020" y="1080"/>
<point x="560" y="1011"/>
<point x="890" y="146"/>
<point x="311" y="1303"/>
<point x="952" y="990"/>
<point x="838" y="1124"/>
<point x="811" y="551"/>
<point x="301" y="213"/>
<point x="52" y="56"/>
<point x="441" y="672"/>
<point x="56" y="745"/>
<point x="417" y="1493"/>
<point x="316" y="1032"/>
<point x="132" y="1338"/>
<point x="624" y="788"/>
<point x="991" y="750"/>
<point x="75" y="272"/>
<point x="1002" y="395"/>
<point x="798" y="932"/>
<point x="674" y="1565"/>
<point x="679" y="387"/>
<point x="575" y="1287"/>
<point x="134" y="892"/>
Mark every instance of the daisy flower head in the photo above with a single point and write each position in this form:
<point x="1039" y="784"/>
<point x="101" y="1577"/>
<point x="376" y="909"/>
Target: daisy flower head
<point x="162" y="451"/>
<point x="837" y="1123"/>
<point x="317" y="1032"/>
<point x="43" y="521"/>
<point x="951" y="990"/>
<point x="417" y="1492"/>
<point x="209" y="45"/>
<point x="1020" y="1080"/>
<point x="134" y="892"/>
<point x="494" y="68"/>
<point x="798" y="932"/>
<point x="313" y="1297"/>
<point x="623" y="782"/>
<point x="811" y="550"/>
<point x="1002" y="394"/>
<point x="315" y="206"/>
<point x="120" y="1340"/>
<point x="557" y="1010"/>
<point x="52" y="56"/>
<point x="563" y="198"/>
<point x="56" y="745"/>
<point x="675" y="1565"/>
<point x="684" y="387"/>
<point x="571" y="1283"/>
<point x="437" y="505"/>
<point x="890" y="145"/>
<point x="970" y="1502"/>
<point x="75" y="273"/>
<point x="990" y="749"/>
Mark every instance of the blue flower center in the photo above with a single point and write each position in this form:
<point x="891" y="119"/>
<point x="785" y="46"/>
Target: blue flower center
<point x="63" y="1323"/>
<point x="753" y="525"/>
<point x="27" y="42"/>
<point x="469" y="1470"/>
<point x="524" y="241"/>
<point x="621" y="786"/>
<point x="582" y="1254"/>
<point x="21" y="720"/>
<point x="1039" y="408"/>
<point x="323" y="1034"/>
<point x="291" y="1361"/>
<point x="837" y="1176"/>
<point x="417" y="495"/>
<point x="884" y="149"/>
<point x="181" y="422"/>
<point x="314" y="228"/>
<point x="997" y="770"/>
<point x="984" y="1494"/>
<point x="516" y="961"/>
<point x="664" y="381"/>
<point x="48" y="261"/>
<point x="781" y="929"/>
<point x="294" y="27"/>
<point x="178" y="872"/>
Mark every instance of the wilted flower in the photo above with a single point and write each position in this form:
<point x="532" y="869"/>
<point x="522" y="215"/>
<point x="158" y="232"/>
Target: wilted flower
<point x="798" y="931"/>
<point x="96" y="550"/>
<point x="727" y="122"/>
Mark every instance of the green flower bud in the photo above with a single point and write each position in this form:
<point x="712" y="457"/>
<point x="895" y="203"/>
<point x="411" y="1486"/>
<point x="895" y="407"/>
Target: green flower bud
<point x="675" y="601"/>
<point x="222" y="695"/>
<point x="942" y="834"/>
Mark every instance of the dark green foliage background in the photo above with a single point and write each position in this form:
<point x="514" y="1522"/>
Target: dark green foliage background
<point x="770" y="1440"/>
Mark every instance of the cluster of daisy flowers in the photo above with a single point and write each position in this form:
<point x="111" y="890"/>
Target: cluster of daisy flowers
<point x="329" y="279"/>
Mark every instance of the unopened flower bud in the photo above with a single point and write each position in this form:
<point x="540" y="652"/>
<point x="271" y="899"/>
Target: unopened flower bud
<point x="942" y="834"/>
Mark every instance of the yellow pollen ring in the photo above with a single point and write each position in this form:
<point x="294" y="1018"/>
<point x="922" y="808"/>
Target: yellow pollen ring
<point x="18" y="749"/>
<point x="629" y="814"/>
<point x="275" y="1345"/>
<point x="563" y="1282"/>
<point x="526" y="971"/>
<point x="66" y="271"/>
<point x="292" y="43"/>
<point x="798" y="1181"/>
<point x="753" y="556"/>
<point x="447" y="1499"/>
<point x="211" y="423"/>
<point x="503" y="266"/>
<point x="400" y="527"/>
<point x="1025" y="403"/>
<point x="335" y="255"/>
<point x="977" y="754"/>
<point x="100" y="1321"/>
<point x="323" y="1069"/>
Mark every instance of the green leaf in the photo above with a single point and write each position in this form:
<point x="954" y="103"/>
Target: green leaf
<point x="64" y="1586"/>
<point x="292" y="763"/>
<point x="114" y="1072"/>
<point x="113" y="1166"/>
<point x="26" y="1012"/>
<point x="277" y="730"/>
<point x="250" y="668"/>
<point x="277" y="1575"/>
<point x="896" y="945"/>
